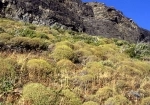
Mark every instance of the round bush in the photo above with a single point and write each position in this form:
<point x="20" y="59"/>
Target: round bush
<point x="66" y="64"/>
<point x="37" y="94"/>
<point x="39" y="68"/>
<point x="62" y="52"/>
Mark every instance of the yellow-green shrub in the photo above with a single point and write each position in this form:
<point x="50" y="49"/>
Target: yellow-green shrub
<point x="83" y="52"/>
<point x="94" y="68"/>
<point x="67" y="43"/>
<point x="7" y="68"/>
<point x="1" y="30"/>
<point x="66" y="65"/>
<point x="104" y="93"/>
<point x="4" y="37"/>
<point x="39" y="68"/>
<point x="70" y="98"/>
<point x="145" y="88"/>
<point x="143" y="67"/>
<point x="37" y="94"/>
<point x="79" y="44"/>
<point x="105" y="41"/>
<point x="62" y="52"/>
<point x="130" y="70"/>
<point x="92" y="58"/>
<point x="81" y="55"/>
<point x="8" y="74"/>
<point x="145" y="101"/>
<point x="117" y="100"/>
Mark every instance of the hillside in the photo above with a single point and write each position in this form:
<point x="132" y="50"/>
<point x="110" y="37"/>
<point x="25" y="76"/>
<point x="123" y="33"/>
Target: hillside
<point x="50" y="66"/>
<point x="92" y="18"/>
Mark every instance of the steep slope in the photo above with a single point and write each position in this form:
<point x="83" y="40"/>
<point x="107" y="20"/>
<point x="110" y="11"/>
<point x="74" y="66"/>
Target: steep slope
<point x="92" y="18"/>
<point x="40" y="65"/>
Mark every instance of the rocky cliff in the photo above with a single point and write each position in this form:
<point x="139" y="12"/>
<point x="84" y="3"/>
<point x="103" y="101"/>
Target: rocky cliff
<point x="93" y="18"/>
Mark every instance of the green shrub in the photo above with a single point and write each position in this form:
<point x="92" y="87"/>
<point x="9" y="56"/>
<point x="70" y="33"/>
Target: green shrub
<point x="62" y="52"/>
<point x="90" y="103"/>
<point x="37" y="94"/>
<point x="138" y="50"/>
<point x="38" y="68"/>
<point x="117" y="100"/>
<point x="8" y="74"/>
<point x="26" y="33"/>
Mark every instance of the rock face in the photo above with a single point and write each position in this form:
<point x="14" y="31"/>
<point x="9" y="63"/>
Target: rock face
<point x="110" y="22"/>
<point x="92" y="18"/>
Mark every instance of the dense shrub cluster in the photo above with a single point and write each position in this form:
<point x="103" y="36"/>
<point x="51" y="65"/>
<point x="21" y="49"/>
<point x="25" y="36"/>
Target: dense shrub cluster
<point x="27" y="44"/>
<point x="62" y="67"/>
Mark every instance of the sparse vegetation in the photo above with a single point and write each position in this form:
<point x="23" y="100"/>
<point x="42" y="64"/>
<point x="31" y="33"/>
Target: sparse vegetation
<point x="62" y="67"/>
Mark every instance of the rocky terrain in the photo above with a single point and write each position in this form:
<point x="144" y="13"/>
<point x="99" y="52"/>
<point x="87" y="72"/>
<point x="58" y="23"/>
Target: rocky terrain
<point x="92" y="18"/>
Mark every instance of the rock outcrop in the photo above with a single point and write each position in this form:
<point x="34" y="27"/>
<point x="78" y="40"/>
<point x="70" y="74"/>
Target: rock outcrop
<point x="93" y="18"/>
<point x="110" y="22"/>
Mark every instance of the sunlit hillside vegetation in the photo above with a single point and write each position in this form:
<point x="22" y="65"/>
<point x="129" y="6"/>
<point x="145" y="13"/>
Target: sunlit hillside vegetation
<point x="42" y="65"/>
